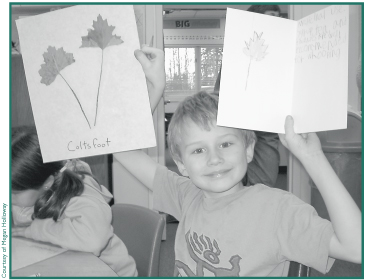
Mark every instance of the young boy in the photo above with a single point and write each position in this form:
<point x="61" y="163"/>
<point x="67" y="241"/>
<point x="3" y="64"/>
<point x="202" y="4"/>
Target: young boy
<point x="227" y="229"/>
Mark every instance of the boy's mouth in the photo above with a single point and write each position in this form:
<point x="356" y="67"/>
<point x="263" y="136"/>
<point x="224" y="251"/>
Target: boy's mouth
<point x="218" y="173"/>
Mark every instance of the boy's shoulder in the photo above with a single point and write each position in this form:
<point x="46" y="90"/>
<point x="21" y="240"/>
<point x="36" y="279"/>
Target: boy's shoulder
<point x="264" y="189"/>
<point x="264" y="193"/>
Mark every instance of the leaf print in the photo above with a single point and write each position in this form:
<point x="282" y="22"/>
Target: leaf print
<point x="255" y="49"/>
<point x="101" y="37"/>
<point x="55" y="61"/>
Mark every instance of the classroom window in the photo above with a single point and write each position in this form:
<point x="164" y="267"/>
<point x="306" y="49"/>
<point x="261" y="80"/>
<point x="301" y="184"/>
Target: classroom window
<point x="190" y="70"/>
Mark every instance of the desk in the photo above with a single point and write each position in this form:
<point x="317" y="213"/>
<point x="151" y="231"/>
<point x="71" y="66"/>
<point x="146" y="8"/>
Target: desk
<point x="63" y="264"/>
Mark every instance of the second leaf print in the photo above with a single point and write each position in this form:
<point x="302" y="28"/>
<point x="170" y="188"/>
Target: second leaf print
<point x="101" y="37"/>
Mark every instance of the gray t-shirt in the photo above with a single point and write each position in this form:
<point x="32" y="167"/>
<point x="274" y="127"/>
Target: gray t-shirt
<point x="249" y="233"/>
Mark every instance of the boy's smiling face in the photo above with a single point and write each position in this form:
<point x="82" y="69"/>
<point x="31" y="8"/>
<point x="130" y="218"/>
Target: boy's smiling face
<point x="216" y="160"/>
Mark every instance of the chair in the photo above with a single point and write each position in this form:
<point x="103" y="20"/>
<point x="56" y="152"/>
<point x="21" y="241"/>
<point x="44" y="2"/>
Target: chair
<point x="141" y="230"/>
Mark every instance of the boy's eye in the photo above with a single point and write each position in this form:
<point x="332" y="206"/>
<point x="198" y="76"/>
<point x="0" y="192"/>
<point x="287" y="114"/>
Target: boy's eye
<point x="198" y="151"/>
<point x="225" y="145"/>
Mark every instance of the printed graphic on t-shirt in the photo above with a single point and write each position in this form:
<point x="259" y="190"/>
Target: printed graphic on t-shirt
<point x="206" y="254"/>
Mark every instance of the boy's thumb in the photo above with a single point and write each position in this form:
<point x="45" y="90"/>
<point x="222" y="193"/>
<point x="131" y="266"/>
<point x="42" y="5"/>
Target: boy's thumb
<point x="289" y="125"/>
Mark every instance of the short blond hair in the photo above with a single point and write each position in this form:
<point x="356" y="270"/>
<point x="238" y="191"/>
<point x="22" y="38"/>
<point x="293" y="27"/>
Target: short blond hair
<point x="201" y="108"/>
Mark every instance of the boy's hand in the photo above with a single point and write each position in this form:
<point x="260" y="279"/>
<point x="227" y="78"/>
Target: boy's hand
<point x="303" y="145"/>
<point x="18" y="231"/>
<point x="152" y="62"/>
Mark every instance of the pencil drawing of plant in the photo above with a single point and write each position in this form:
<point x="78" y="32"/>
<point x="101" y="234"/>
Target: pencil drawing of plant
<point x="101" y="37"/>
<point x="255" y="49"/>
<point x="55" y="61"/>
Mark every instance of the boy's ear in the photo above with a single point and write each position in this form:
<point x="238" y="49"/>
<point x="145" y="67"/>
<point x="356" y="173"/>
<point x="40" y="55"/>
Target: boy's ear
<point x="49" y="182"/>
<point x="181" y="167"/>
<point x="250" y="152"/>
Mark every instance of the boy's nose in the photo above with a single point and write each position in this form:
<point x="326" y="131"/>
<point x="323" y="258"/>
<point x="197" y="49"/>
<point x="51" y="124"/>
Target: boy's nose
<point x="215" y="158"/>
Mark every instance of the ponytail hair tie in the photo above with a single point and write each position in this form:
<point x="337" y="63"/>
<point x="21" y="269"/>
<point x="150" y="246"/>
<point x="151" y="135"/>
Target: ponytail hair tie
<point x="64" y="168"/>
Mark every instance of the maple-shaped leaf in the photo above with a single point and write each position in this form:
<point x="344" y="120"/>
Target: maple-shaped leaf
<point x="55" y="61"/>
<point x="101" y="36"/>
<point x="255" y="48"/>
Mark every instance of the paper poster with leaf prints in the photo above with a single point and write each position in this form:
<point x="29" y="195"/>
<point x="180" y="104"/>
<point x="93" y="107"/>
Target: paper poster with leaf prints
<point x="87" y="90"/>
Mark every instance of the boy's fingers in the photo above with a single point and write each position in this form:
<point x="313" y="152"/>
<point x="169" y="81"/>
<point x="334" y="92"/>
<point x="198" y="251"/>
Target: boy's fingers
<point x="141" y="57"/>
<point x="153" y="52"/>
<point x="147" y="52"/>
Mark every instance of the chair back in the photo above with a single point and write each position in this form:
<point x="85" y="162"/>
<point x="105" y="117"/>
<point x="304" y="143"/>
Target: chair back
<point x="141" y="231"/>
<point x="298" y="270"/>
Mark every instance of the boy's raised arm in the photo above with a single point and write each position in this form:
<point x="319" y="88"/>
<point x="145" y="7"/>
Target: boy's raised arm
<point x="140" y="165"/>
<point x="152" y="62"/>
<point x="344" y="214"/>
<point x="137" y="162"/>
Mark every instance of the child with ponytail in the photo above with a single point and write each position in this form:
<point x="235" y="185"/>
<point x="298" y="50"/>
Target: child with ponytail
<point x="62" y="203"/>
